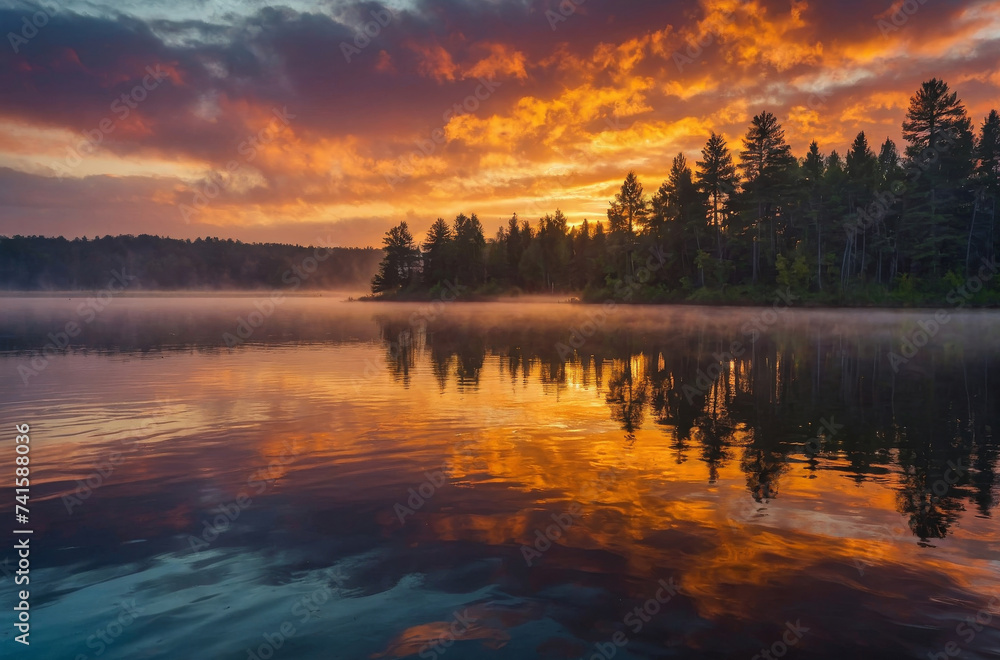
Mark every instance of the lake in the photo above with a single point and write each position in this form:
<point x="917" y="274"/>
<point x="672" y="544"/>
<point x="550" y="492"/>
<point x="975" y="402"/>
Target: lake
<point x="238" y="477"/>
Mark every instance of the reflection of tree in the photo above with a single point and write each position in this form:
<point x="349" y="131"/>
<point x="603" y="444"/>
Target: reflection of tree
<point x="669" y="407"/>
<point x="518" y="364"/>
<point x="930" y="516"/>
<point x="471" y="356"/>
<point x="628" y="393"/>
<point x="762" y="468"/>
<point x="447" y="347"/>
<point x="440" y="364"/>
<point x="762" y="406"/>
<point x="716" y="432"/>
<point x="399" y="339"/>
<point x="984" y="477"/>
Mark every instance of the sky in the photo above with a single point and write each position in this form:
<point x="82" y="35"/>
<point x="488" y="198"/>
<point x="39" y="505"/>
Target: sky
<point x="329" y="122"/>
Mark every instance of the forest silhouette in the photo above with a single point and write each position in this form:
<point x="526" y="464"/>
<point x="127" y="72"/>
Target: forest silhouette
<point x="30" y="263"/>
<point x="877" y="225"/>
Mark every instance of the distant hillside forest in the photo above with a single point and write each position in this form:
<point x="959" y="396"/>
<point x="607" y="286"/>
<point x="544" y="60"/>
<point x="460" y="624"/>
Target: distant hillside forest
<point x="877" y="226"/>
<point x="30" y="263"/>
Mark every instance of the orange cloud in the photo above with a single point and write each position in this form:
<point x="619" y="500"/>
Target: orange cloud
<point x="434" y="61"/>
<point x="572" y="112"/>
<point x="501" y="61"/>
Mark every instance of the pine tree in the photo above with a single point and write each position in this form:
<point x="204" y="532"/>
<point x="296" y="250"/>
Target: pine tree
<point x="861" y="168"/>
<point x="813" y="170"/>
<point x="813" y="166"/>
<point x="718" y="179"/>
<point x="861" y="162"/>
<point x="988" y="174"/>
<point x="470" y="247"/>
<point x="888" y="169"/>
<point x="766" y="161"/>
<point x="888" y="180"/>
<point x="631" y="201"/>
<point x="401" y="262"/>
<point x="629" y="209"/>
<point x="939" y="152"/>
<point x="516" y="243"/>
<point x="686" y="209"/>
<point x="438" y="253"/>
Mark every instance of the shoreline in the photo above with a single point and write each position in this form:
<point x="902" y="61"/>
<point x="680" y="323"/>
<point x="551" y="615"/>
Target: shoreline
<point x="532" y="299"/>
<point x="806" y="304"/>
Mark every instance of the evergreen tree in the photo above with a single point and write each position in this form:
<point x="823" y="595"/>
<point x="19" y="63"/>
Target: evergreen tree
<point x="517" y="241"/>
<point x="888" y="170"/>
<point x="939" y="153"/>
<point x="988" y="175"/>
<point x="438" y="253"/>
<point x="686" y="209"/>
<point x="401" y="263"/>
<point x="470" y="246"/>
<point x="766" y="161"/>
<point x="861" y="173"/>
<point x="813" y="169"/>
<point x="861" y="163"/>
<point x="628" y="209"/>
<point x="717" y="178"/>
<point x="813" y="166"/>
<point x="872" y="224"/>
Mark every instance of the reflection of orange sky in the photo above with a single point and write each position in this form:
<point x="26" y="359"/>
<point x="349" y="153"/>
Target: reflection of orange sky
<point x="533" y="450"/>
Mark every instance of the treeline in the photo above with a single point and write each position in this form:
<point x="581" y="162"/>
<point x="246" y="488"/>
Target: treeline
<point x="30" y="263"/>
<point x="878" y="224"/>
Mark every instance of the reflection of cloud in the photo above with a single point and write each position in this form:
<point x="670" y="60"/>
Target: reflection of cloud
<point x="546" y="437"/>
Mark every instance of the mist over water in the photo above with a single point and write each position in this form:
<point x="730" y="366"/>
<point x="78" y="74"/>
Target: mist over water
<point x="505" y="480"/>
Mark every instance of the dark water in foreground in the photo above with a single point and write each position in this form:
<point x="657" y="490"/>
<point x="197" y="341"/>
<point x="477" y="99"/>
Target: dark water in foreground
<point x="358" y="481"/>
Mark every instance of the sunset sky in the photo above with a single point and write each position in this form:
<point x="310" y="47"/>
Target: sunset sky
<point x="568" y="101"/>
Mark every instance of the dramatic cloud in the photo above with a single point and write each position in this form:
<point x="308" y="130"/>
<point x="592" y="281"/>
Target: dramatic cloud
<point x="335" y="120"/>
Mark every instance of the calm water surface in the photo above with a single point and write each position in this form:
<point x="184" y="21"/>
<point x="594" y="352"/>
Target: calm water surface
<point x="504" y="481"/>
